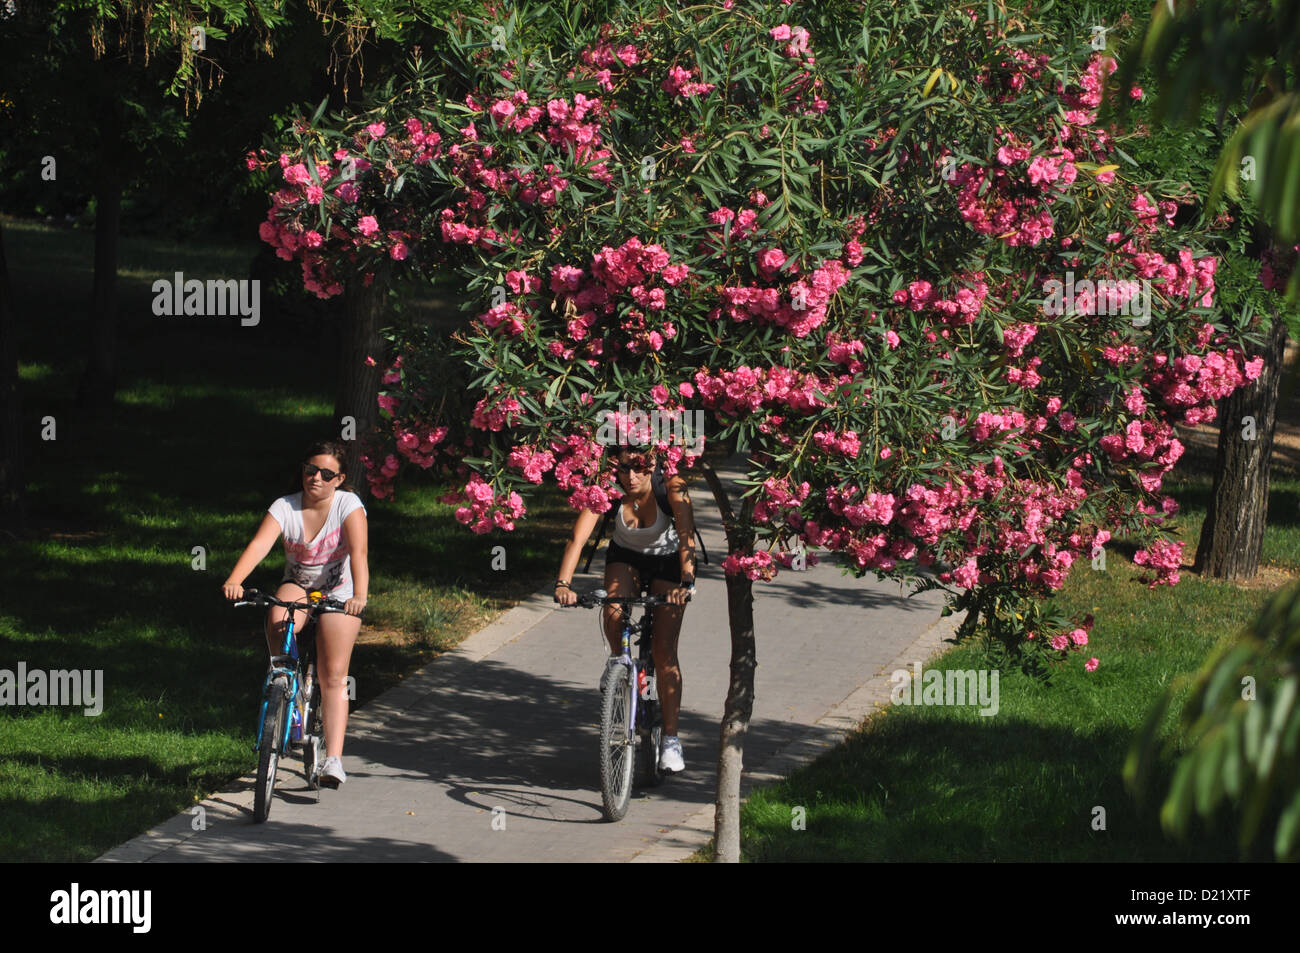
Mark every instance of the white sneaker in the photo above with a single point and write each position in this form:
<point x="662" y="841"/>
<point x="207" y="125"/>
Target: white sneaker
<point x="332" y="773"/>
<point x="671" y="758"/>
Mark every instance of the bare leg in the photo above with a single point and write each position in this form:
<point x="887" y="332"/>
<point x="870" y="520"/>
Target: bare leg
<point x="336" y="634"/>
<point x="668" y="673"/>
<point x="276" y="617"/>
<point x="620" y="583"/>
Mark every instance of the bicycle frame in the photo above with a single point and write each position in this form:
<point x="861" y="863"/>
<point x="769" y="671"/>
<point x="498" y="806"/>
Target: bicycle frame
<point x="644" y="627"/>
<point x="280" y="666"/>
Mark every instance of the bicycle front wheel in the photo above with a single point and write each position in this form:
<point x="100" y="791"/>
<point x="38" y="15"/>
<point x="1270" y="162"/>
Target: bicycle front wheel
<point x="268" y="758"/>
<point x="616" y="749"/>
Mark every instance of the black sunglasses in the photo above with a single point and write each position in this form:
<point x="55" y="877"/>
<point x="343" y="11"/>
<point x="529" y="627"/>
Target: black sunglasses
<point x="310" y="469"/>
<point x="637" y="464"/>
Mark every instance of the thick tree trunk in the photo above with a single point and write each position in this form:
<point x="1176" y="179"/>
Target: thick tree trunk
<point x="99" y="382"/>
<point x="11" y="441"/>
<point x="740" y="690"/>
<point x="358" y="384"/>
<point x="1233" y="533"/>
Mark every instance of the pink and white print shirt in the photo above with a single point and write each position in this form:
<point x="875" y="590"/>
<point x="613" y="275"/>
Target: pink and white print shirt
<point x="325" y="562"/>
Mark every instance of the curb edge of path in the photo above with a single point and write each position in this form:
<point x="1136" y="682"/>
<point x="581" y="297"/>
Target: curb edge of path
<point x="684" y="840"/>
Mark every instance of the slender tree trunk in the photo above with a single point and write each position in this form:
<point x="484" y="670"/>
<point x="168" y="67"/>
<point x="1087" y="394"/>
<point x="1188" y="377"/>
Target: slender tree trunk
<point x="740" y="689"/>
<point x="11" y="442"/>
<point x="1233" y="533"/>
<point x="99" y="382"/>
<point x="358" y="384"/>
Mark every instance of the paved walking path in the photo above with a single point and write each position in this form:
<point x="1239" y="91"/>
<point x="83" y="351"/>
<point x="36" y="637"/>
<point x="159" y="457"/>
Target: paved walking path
<point x="489" y="752"/>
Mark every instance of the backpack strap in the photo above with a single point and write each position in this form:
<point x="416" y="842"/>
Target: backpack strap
<point x="600" y="534"/>
<point x="660" y="488"/>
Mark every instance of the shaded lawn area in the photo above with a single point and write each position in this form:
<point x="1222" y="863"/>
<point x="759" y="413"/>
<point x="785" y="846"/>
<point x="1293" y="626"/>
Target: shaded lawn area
<point x="207" y="429"/>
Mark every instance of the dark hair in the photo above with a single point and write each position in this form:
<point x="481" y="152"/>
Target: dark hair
<point x="336" y="450"/>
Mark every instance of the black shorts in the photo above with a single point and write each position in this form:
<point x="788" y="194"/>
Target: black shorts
<point x="667" y="568"/>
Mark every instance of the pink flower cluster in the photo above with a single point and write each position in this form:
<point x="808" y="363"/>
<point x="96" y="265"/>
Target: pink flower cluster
<point x="798" y="41"/>
<point x="1017" y="337"/>
<point x="679" y="83"/>
<point x="1145" y="440"/>
<point x="746" y="389"/>
<point x="507" y="318"/>
<point x="1165" y="557"/>
<point x="806" y="310"/>
<point x="642" y="272"/>
<point x="284" y="229"/>
<point x="778" y="501"/>
<point x="486" y="509"/>
<point x="758" y="566"/>
<point x="845" y="352"/>
<point x="380" y="475"/>
<point x="418" y="446"/>
<point x="597" y="62"/>
<point x="532" y="462"/>
<point x="998" y="202"/>
<point x="561" y="124"/>
<point x="989" y="423"/>
<point x="1194" y="384"/>
<point x="495" y="415"/>
<point x="961" y="309"/>
<point x="845" y="444"/>
<point x="1092" y="84"/>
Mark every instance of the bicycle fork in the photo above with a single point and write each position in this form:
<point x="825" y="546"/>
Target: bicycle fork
<point x="268" y="691"/>
<point x="627" y="659"/>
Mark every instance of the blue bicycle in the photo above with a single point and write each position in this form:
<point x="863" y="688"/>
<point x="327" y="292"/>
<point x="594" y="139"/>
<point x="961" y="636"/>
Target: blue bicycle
<point x="631" y="723"/>
<point x="290" y="712"/>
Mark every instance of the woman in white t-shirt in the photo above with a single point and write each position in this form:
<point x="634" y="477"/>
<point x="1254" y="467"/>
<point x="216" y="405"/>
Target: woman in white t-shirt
<point x="325" y="545"/>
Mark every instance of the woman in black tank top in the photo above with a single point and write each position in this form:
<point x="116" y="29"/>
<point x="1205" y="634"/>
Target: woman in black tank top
<point x="649" y="550"/>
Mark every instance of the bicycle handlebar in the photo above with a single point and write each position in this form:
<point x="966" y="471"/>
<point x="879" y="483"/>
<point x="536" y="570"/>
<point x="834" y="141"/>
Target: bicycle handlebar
<point x="252" y="597"/>
<point x="599" y="597"/>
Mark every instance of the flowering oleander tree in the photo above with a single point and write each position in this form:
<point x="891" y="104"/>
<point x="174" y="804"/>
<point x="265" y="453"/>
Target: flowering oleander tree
<point x="891" y="255"/>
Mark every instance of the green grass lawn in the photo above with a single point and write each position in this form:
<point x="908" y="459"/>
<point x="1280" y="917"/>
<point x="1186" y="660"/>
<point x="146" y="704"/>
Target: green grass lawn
<point x="945" y="783"/>
<point x="207" y="429"/>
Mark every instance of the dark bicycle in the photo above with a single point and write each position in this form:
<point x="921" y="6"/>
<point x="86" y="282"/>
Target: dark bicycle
<point x="631" y="723"/>
<point x="290" y="712"/>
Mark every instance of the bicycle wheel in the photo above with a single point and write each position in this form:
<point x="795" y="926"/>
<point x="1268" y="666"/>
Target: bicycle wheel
<point x="616" y="752"/>
<point x="313" y="739"/>
<point x="268" y="760"/>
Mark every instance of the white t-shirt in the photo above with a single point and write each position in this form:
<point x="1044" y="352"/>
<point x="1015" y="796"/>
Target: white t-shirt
<point x="323" y="563"/>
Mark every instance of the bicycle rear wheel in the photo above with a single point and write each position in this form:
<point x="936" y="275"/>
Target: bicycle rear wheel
<point x="652" y="724"/>
<point x="313" y="738"/>
<point x="268" y="759"/>
<point x="616" y="748"/>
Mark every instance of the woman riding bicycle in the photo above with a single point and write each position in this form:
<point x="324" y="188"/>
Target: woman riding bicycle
<point x="325" y="547"/>
<point x="661" y="551"/>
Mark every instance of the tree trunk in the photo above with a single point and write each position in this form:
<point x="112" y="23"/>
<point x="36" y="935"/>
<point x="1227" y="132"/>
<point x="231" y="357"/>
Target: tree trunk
<point x="358" y="384"/>
<point x="740" y="690"/>
<point x="1233" y="533"/>
<point x="11" y="441"/>
<point x="99" y="382"/>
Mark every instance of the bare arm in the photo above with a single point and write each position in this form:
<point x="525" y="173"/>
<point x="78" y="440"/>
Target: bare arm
<point x="679" y="499"/>
<point x="253" y="554"/>
<point x="583" y="527"/>
<point x="358" y="533"/>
